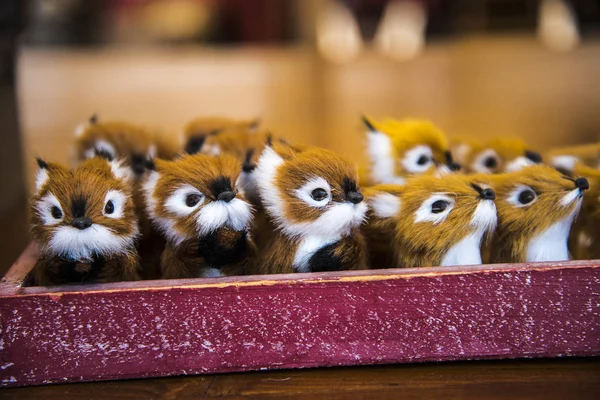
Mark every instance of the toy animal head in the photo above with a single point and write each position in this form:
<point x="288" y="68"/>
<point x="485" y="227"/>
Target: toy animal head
<point x="312" y="193"/>
<point x="536" y="208"/>
<point x="437" y="220"/>
<point x="76" y="214"/>
<point x="501" y="155"/>
<point x="199" y="130"/>
<point x="194" y="196"/>
<point x="116" y="140"/>
<point x="565" y="159"/>
<point x="398" y="149"/>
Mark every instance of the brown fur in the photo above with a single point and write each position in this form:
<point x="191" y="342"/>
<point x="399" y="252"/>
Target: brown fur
<point x="584" y="241"/>
<point x="518" y="225"/>
<point x="507" y="149"/>
<point x="203" y="128"/>
<point x="90" y="182"/>
<point x="586" y="154"/>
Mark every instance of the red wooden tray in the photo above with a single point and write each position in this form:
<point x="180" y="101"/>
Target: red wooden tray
<point x="196" y="326"/>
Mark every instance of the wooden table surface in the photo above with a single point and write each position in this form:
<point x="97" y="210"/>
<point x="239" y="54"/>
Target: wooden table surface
<point x="576" y="378"/>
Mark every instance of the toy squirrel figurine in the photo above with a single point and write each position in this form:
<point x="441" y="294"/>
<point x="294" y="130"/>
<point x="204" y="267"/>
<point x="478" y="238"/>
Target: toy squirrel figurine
<point x="496" y="156"/>
<point x="566" y="158"/>
<point x="122" y="140"/>
<point x="536" y="208"/>
<point x="198" y="130"/>
<point x="399" y="149"/>
<point x="84" y="223"/>
<point x="315" y="205"/>
<point x="193" y="202"/>
<point x="431" y="220"/>
<point x="584" y="241"/>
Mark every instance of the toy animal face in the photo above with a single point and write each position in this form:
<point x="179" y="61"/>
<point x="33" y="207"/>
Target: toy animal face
<point x="536" y="208"/>
<point x="196" y="195"/>
<point x="441" y="218"/>
<point x="502" y="155"/>
<point x="116" y="140"/>
<point x="199" y="130"/>
<point x="566" y="159"/>
<point x="77" y="214"/>
<point x="313" y="193"/>
<point x="398" y="149"/>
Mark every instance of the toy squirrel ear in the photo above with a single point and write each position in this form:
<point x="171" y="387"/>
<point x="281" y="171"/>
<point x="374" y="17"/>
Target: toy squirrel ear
<point x="42" y="175"/>
<point x="383" y="204"/>
<point x="370" y="126"/>
<point x="269" y="160"/>
<point x="120" y="170"/>
<point x="93" y="120"/>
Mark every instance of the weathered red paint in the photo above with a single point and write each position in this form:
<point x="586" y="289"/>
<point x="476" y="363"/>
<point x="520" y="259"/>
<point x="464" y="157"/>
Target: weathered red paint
<point x="159" y="328"/>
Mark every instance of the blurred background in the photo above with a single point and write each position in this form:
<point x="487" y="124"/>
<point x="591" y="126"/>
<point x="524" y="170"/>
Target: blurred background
<point x="307" y="68"/>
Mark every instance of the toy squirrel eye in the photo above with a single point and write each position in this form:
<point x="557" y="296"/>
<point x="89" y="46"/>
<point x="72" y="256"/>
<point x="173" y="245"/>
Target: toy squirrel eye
<point x="319" y="194"/>
<point x="490" y="162"/>
<point x="423" y="160"/>
<point x="56" y="212"/>
<point x="192" y="199"/>
<point x="109" y="208"/>
<point x="526" y="196"/>
<point x="439" y="206"/>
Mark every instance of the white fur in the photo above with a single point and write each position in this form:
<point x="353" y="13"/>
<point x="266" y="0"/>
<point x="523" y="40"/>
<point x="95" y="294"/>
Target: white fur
<point x="485" y="216"/>
<point x="120" y="170"/>
<point x="44" y="209"/>
<point x="315" y="183"/>
<point x="162" y="224"/>
<point x="210" y="273"/>
<point x="461" y="151"/>
<point x="551" y="245"/>
<point x="385" y="205"/>
<point x="89" y="153"/>
<point x="79" y="129"/>
<point x="151" y="153"/>
<point x="409" y="161"/>
<point x="442" y="170"/>
<point x="119" y="199"/>
<point x="235" y="214"/>
<point x="518" y="164"/>
<point x="564" y="162"/>
<point x="513" y="197"/>
<point x="479" y="166"/>
<point x="424" y="214"/>
<point x="82" y="244"/>
<point x="41" y="178"/>
<point x="570" y="197"/>
<point x="379" y="150"/>
<point x="211" y="149"/>
<point x="307" y="247"/>
<point x="103" y="145"/>
<point x="176" y="201"/>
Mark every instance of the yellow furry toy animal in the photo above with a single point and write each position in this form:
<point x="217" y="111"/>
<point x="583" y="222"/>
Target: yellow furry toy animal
<point x="497" y="155"/>
<point x="536" y="208"/>
<point x="400" y="149"/>
<point x="193" y="202"/>
<point x="313" y="201"/>
<point x="430" y="220"/>
<point x="83" y="221"/>
<point x="565" y="158"/>
<point x="585" y="235"/>
<point x="198" y="130"/>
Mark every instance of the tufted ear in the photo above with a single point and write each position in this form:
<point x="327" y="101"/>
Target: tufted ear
<point x="367" y="122"/>
<point x="42" y="175"/>
<point x="120" y="170"/>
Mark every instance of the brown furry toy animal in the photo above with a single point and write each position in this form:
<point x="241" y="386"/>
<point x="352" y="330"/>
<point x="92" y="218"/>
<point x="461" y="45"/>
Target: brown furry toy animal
<point x="507" y="154"/>
<point x="83" y="221"/>
<point x="193" y="202"/>
<point x="400" y="149"/>
<point x="584" y="241"/>
<point x="536" y="208"/>
<point x="313" y="201"/>
<point x="198" y="130"/>
<point x="432" y="220"/>
<point x="134" y="144"/>
<point x="566" y="158"/>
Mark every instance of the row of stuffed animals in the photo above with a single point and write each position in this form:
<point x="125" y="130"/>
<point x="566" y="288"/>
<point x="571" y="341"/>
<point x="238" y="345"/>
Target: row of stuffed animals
<point x="230" y="198"/>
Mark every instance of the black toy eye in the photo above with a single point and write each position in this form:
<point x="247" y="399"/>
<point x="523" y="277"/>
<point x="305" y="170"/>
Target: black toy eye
<point x="109" y="208"/>
<point x="439" y="206"/>
<point x="490" y="162"/>
<point x="192" y="199"/>
<point x="526" y="196"/>
<point x="423" y="160"/>
<point x="56" y="213"/>
<point x="319" y="194"/>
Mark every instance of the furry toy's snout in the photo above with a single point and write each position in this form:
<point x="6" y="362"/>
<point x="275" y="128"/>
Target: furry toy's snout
<point x="582" y="184"/>
<point x="81" y="223"/>
<point x="488" y="194"/>
<point x="226" y="196"/>
<point x="354" y="197"/>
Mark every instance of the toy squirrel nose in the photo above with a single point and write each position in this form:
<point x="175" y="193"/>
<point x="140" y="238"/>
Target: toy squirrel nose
<point x="226" y="196"/>
<point x="354" y="197"/>
<point x="582" y="183"/>
<point x="81" y="223"/>
<point x="488" y="194"/>
<point x="533" y="156"/>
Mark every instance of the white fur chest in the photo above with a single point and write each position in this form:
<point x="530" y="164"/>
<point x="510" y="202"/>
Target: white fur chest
<point x="307" y="247"/>
<point x="551" y="244"/>
<point x="465" y="252"/>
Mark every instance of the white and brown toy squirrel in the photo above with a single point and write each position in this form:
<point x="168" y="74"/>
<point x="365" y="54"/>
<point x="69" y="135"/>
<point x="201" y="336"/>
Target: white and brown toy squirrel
<point x="316" y="207"/>
<point x="84" y="222"/>
<point x="194" y="203"/>
<point x="536" y="208"/>
<point x="566" y="158"/>
<point x="507" y="154"/>
<point x="197" y="131"/>
<point x="400" y="149"/>
<point x="584" y="241"/>
<point x="431" y="220"/>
